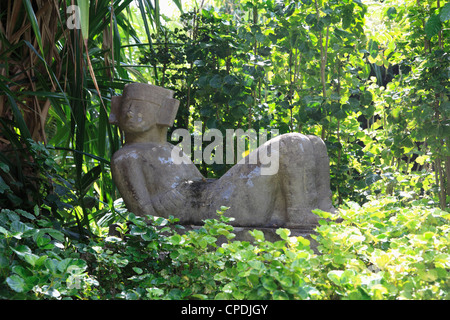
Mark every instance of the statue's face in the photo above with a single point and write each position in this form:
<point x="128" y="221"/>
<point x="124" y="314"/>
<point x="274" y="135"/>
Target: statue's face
<point x="137" y="115"/>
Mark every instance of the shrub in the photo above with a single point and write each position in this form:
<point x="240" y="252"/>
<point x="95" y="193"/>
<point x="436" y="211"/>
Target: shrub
<point x="382" y="250"/>
<point x="36" y="260"/>
<point x="385" y="251"/>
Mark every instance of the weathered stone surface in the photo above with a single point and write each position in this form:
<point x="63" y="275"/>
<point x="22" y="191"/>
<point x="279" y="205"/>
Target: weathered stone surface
<point x="152" y="183"/>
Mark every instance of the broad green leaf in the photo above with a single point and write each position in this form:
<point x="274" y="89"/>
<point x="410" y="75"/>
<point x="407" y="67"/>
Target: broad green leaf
<point x="26" y="214"/>
<point x="3" y="186"/>
<point x="137" y="270"/>
<point x="280" y="295"/>
<point x="321" y="213"/>
<point x="335" y="276"/>
<point x="433" y="26"/>
<point x="52" y="265"/>
<point x="4" y="231"/>
<point x="216" y="81"/>
<point x="286" y="281"/>
<point x="22" y="228"/>
<point x="43" y="242"/>
<point x="222" y="296"/>
<point x="58" y="235"/>
<point x="21" y="250"/>
<point x="32" y="259"/>
<point x="16" y="283"/>
<point x="256" y="264"/>
<point x="64" y="264"/>
<point x="21" y="271"/>
<point x="428" y="235"/>
<point x="268" y="283"/>
<point x="39" y="262"/>
<point x="445" y="12"/>
<point x="175" y="239"/>
<point x="4" y="167"/>
<point x="283" y="233"/>
<point x="371" y="178"/>
<point x="258" y="235"/>
<point x="391" y="12"/>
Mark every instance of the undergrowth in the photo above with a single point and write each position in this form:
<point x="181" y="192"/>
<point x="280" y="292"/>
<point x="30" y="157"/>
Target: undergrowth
<point x="382" y="250"/>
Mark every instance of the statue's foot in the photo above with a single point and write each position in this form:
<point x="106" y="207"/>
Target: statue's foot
<point x="326" y="205"/>
<point x="302" y="218"/>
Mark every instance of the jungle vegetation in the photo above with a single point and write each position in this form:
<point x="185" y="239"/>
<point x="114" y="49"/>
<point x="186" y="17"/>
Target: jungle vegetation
<point x="371" y="78"/>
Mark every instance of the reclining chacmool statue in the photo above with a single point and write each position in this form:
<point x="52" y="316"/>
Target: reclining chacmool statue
<point x="151" y="182"/>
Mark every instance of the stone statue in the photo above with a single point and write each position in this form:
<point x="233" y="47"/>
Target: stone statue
<point x="152" y="183"/>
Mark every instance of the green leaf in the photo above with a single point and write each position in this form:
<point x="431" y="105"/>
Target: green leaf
<point x="335" y="276"/>
<point x="16" y="283"/>
<point x="21" y="227"/>
<point x="52" y="292"/>
<point x="5" y="232"/>
<point x="21" y="271"/>
<point x="283" y="233"/>
<point x="445" y="12"/>
<point x="4" y="167"/>
<point x="178" y="4"/>
<point x="371" y="178"/>
<point x="32" y="259"/>
<point x="257" y="234"/>
<point x="53" y="233"/>
<point x="256" y="264"/>
<point x="373" y="48"/>
<point x="175" y="239"/>
<point x="84" y="17"/>
<point x="52" y="265"/>
<point x="216" y="81"/>
<point x="89" y="178"/>
<point x="26" y="214"/>
<point x="433" y="26"/>
<point x="21" y="250"/>
<point x="34" y="24"/>
<point x="64" y="264"/>
<point x="280" y="295"/>
<point x="137" y="270"/>
<point x="25" y="133"/>
<point x="321" y="213"/>
<point x="43" y="241"/>
<point x="3" y="186"/>
<point x="222" y="296"/>
<point x="391" y="12"/>
<point x="268" y="283"/>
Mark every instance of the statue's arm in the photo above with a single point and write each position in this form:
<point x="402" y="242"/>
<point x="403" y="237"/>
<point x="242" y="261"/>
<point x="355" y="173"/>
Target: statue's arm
<point x="165" y="203"/>
<point x="134" y="189"/>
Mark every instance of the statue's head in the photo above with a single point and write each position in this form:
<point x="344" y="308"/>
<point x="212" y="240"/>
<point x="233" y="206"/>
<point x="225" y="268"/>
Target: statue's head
<point x="142" y="107"/>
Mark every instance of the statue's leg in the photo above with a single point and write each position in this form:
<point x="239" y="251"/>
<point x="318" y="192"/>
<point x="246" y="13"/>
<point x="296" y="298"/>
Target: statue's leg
<point x="289" y="179"/>
<point x="254" y="198"/>
<point x="298" y="179"/>
<point x="322" y="169"/>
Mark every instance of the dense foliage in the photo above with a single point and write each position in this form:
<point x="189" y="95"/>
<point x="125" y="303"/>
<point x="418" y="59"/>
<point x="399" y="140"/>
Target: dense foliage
<point x="372" y="78"/>
<point x="383" y="250"/>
